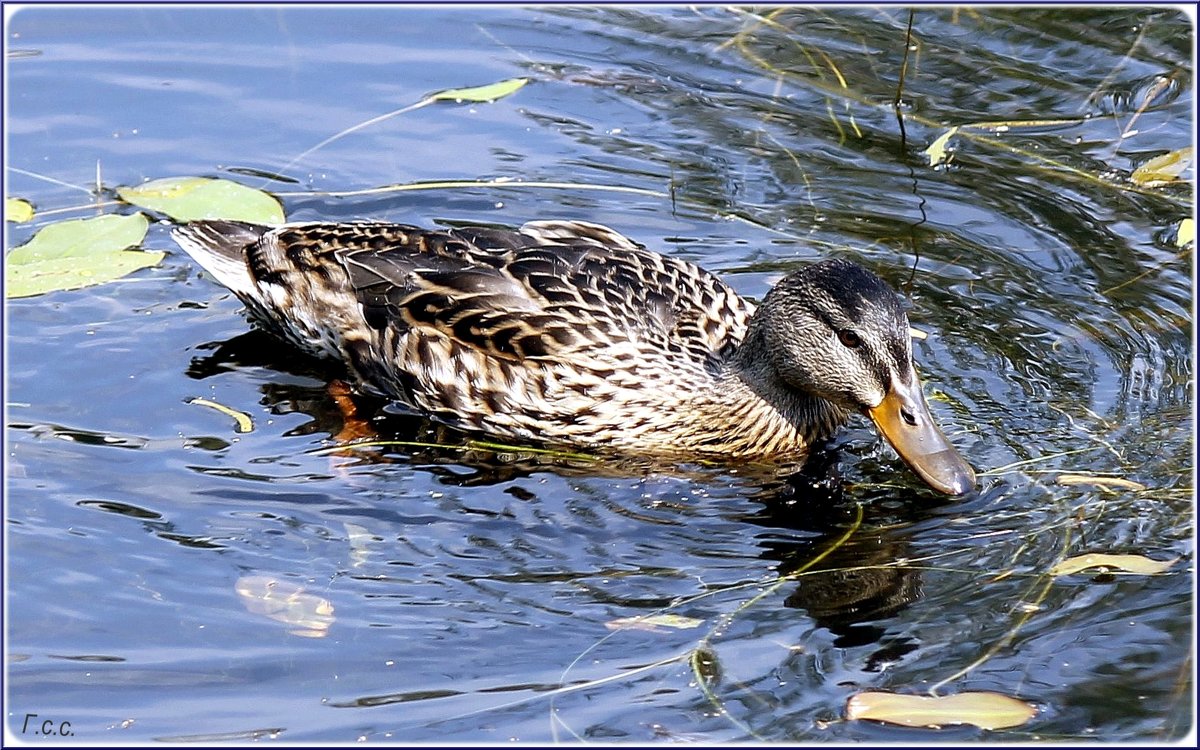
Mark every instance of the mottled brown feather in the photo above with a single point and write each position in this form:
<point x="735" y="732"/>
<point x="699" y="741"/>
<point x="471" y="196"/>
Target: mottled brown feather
<point x="557" y="331"/>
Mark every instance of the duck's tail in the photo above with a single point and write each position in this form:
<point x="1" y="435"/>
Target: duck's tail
<point x="220" y="248"/>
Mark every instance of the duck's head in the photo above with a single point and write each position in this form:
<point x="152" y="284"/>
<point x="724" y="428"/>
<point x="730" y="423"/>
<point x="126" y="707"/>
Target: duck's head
<point x="835" y="330"/>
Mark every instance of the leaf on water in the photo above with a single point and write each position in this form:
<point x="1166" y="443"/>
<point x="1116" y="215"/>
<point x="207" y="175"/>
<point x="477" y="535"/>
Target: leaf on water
<point x="309" y="615"/>
<point x="17" y="210"/>
<point x="192" y="198"/>
<point x="1138" y="564"/>
<point x="77" y="253"/>
<point x="64" y="274"/>
<point x="1125" y="484"/>
<point x="1162" y="169"/>
<point x="243" y="420"/>
<point x="488" y="93"/>
<point x="937" y="150"/>
<point x="982" y="709"/>
<point x="82" y="238"/>
<point x="654" y="623"/>
<point x="1186" y="233"/>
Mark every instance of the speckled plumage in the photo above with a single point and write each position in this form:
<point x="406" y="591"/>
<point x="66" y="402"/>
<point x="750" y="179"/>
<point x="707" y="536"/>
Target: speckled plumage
<point x="568" y="331"/>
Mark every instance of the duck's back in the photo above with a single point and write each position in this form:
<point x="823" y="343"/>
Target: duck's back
<point x="558" y="330"/>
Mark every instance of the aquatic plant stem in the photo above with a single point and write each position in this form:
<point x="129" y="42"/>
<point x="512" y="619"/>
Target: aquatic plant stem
<point x="817" y="82"/>
<point x="1029" y="606"/>
<point x="723" y="622"/>
<point x="354" y="128"/>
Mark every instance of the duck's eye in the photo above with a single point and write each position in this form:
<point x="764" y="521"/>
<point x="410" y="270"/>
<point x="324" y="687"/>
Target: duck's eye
<point x="849" y="339"/>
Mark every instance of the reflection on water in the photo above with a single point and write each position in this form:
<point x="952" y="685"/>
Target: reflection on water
<point x="464" y="594"/>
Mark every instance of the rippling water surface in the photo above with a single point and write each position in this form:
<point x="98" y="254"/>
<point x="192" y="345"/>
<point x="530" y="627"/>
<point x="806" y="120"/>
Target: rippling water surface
<point x="436" y="594"/>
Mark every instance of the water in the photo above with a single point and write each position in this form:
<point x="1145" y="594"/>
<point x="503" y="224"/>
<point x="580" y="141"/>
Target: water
<point x="470" y="591"/>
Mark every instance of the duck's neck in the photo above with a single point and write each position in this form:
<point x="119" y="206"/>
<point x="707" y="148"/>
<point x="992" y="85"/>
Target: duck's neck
<point x="757" y="413"/>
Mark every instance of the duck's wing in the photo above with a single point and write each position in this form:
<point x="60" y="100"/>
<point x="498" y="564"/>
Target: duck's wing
<point x="673" y="299"/>
<point x="552" y="290"/>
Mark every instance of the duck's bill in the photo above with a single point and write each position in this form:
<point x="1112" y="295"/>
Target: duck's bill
<point x="904" y="420"/>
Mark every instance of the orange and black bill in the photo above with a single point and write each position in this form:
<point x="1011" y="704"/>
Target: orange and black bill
<point x="904" y="419"/>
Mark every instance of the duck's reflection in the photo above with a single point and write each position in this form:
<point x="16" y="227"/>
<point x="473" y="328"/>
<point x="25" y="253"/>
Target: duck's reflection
<point x="849" y="583"/>
<point x="853" y="588"/>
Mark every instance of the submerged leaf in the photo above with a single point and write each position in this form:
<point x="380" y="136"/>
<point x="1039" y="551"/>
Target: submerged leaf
<point x="983" y="709"/>
<point x="1127" y="563"/>
<point x="1163" y="169"/>
<point x="17" y="210"/>
<point x="192" y="198"/>
<point x="77" y="253"/>
<point x="310" y="615"/>
<point x="361" y="540"/>
<point x="654" y="622"/>
<point x="489" y="93"/>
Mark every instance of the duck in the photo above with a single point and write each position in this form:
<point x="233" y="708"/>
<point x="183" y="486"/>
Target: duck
<point x="568" y="332"/>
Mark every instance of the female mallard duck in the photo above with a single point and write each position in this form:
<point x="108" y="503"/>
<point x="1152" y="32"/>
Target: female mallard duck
<point x="569" y="331"/>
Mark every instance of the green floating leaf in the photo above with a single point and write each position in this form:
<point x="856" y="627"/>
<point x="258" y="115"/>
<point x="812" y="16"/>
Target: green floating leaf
<point x="1185" y="234"/>
<point x="81" y="238"/>
<point x="1162" y="169"/>
<point x="308" y="614"/>
<point x="17" y="210"/>
<point x="192" y="198"/>
<point x="77" y="253"/>
<point x="937" y="150"/>
<point x="488" y="93"/>
<point x="1138" y="564"/>
<point x="63" y="274"/>
<point x="982" y="709"/>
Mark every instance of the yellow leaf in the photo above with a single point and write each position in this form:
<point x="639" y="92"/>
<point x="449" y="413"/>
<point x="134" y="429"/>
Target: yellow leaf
<point x="489" y="93"/>
<point x="244" y="423"/>
<point x="1101" y="481"/>
<point x="984" y="710"/>
<point x="1126" y="563"/>
<point x="17" y="210"/>
<point x="1186" y="233"/>
<point x="937" y="150"/>
<point x="1162" y="169"/>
